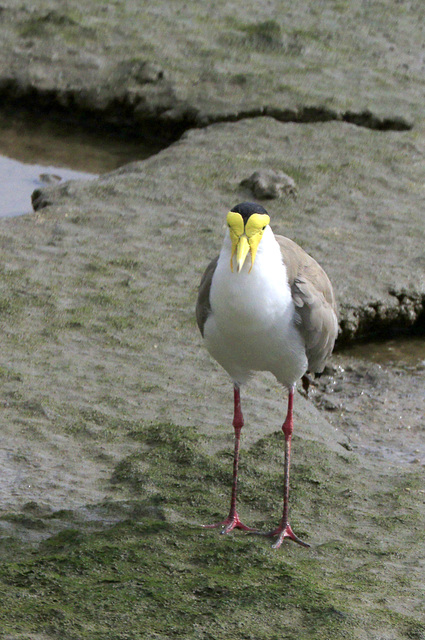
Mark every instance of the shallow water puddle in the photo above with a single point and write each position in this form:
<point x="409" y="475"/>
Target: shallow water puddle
<point x="404" y="351"/>
<point x="35" y="151"/>
<point x="18" y="181"/>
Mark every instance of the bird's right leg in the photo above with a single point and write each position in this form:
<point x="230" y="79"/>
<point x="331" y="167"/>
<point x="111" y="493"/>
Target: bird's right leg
<point x="233" y="521"/>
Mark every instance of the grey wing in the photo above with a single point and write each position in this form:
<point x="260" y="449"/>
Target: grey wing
<point x="203" y="308"/>
<point x="318" y="323"/>
<point x="314" y="303"/>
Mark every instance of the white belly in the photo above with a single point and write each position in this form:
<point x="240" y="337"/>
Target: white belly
<point x="252" y="322"/>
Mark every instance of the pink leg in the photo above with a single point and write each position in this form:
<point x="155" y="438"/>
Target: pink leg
<point x="284" y="529"/>
<point x="232" y="521"/>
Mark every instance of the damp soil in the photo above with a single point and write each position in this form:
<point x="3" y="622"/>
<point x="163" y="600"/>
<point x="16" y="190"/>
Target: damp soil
<point x="375" y="393"/>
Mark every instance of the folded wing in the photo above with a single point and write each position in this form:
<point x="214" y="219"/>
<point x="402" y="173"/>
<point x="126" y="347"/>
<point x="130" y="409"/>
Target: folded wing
<point x="314" y="303"/>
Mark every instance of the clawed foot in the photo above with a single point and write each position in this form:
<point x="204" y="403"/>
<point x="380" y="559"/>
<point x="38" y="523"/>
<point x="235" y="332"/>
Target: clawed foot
<point x="285" y="531"/>
<point x="232" y="522"/>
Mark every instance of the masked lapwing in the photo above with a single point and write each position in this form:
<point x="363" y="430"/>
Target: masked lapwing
<point x="265" y="305"/>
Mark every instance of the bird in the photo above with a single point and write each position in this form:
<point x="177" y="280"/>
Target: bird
<point x="264" y="304"/>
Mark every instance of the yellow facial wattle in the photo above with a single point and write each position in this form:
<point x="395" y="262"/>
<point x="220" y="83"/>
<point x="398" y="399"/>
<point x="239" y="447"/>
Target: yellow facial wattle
<point x="245" y="237"/>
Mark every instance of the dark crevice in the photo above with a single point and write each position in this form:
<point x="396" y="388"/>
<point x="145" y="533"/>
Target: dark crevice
<point x="162" y="123"/>
<point x="371" y="121"/>
<point x="380" y="334"/>
<point x="377" y="333"/>
<point x="305" y="115"/>
<point x="118" y="117"/>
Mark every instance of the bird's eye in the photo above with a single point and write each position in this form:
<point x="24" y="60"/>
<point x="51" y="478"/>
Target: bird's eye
<point x="264" y="227"/>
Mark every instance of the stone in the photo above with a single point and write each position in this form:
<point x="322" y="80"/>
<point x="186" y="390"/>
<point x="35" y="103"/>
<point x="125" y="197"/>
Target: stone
<point x="270" y="184"/>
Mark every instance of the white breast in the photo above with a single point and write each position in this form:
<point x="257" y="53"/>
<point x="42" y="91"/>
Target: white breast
<point x="252" y="322"/>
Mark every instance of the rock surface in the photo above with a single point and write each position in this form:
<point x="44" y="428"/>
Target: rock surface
<point x="199" y="62"/>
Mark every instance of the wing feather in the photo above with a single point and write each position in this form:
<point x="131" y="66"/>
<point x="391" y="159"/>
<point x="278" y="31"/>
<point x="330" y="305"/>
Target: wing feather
<point x="314" y="302"/>
<point x="203" y="307"/>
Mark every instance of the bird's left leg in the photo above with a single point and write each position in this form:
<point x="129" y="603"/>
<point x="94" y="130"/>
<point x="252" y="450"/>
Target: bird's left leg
<point x="284" y="529"/>
<point x="233" y="521"/>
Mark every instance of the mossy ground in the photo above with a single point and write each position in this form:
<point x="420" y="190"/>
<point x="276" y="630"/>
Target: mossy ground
<point x="144" y="568"/>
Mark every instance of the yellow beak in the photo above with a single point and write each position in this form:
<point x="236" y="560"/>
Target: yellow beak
<point x="242" y="251"/>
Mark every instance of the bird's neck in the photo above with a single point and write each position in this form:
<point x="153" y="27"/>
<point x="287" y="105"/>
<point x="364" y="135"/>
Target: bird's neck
<point x="252" y="291"/>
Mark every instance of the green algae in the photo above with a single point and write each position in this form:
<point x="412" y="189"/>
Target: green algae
<point x="155" y="573"/>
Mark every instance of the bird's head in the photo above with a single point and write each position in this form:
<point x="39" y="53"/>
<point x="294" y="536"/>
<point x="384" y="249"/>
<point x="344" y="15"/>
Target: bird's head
<point x="247" y="222"/>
